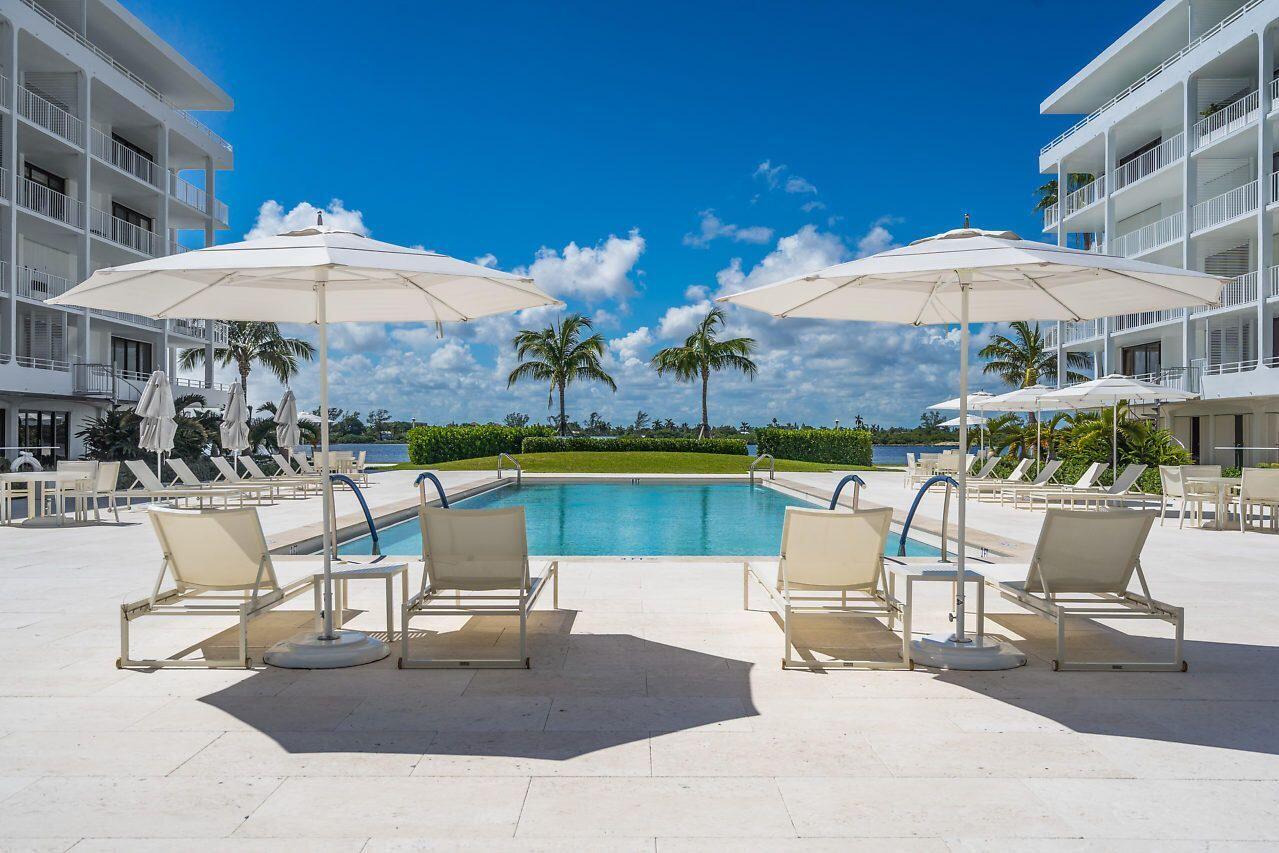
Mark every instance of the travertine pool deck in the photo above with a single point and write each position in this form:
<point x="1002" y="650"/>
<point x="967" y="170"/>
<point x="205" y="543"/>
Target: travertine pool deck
<point x="656" y="717"/>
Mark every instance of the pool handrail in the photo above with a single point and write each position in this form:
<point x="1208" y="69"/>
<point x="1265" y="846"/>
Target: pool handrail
<point x="858" y="485"/>
<point x="368" y="516"/>
<point x="945" y="513"/>
<point x="439" y="487"/>
<point x="772" y="466"/>
<point x="519" y="471"/>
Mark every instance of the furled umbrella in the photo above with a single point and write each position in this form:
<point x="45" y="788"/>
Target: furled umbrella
<point x="317" y="275"/>
<point x="287" y="433"/>
<point x="973" y="276"/>
<point x="155" y="407"/>
<point x="234" y="430"/>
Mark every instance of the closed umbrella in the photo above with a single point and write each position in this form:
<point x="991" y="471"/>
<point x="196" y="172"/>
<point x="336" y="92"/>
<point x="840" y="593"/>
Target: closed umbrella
<point x="1111" y="391"/>
<point x="318" y="275"/>
<point x="287" y="434"/>
<point x="155" y="407"/>
<point x="234" y="430"/>
<point x="973" y="276"/>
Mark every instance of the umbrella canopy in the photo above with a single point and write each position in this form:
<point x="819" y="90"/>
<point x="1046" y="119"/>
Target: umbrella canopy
<point x="287" y="434"/>
<point x="1028" y="399"/>
<point x="155" y="407"/>
<point x="973" y="276"/>
<point x="975" y="420"/>
<point x="976" y="402"/>
<point x="313" y="275"/>
<point x="235" y="421"/>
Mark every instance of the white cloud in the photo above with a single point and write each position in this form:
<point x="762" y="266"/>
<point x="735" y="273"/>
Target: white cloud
<point x="877" y="239"/>
<point x="272" y="219"/>
<point x="696" y="292"/>
<point x="712" y="227"/>
<point x="451" y="355"/>
<point x="810" y="206"/>
<point x="797" y="185"/>
<point x="605" y="319"/>
<point x="486" y="260"/>
<point x="630" y="348"/>
<point x="806" y="250"/>
<point x="680" y="320"/>
<point x="769" y="173"/>
<point x="592" y="273"/>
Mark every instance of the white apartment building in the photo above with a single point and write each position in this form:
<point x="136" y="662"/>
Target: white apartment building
<point x="1176" y="161"/>
<point x="101" y="164"/>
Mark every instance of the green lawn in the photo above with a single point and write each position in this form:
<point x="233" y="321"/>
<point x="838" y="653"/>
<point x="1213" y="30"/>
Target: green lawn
<point x="640" y="462"/>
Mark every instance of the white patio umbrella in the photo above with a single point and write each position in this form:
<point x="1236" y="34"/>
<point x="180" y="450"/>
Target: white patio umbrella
<point x="315" y="275"/>
<point x="234" y="429"/>
<point x="1110" y="391"/>
<point x="155" y="407"/>
<point x="1028" y="399"/>
<point x="970" y="275"/>
<point x="976" y="400"/>
<point x="975" y="420"/>
<point x="287" y="434"/>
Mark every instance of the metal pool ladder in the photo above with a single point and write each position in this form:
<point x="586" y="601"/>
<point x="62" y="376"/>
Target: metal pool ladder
<point x="421" y="488"/>
<point x="945" y="513"/>
<point x="772" y="466"/>
<point x="368" y="516"/>
<point x="519" y="471"/>
<point x="858" y="485"/>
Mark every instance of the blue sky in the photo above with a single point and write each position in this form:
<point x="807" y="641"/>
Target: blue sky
<point x="637" y="159"/>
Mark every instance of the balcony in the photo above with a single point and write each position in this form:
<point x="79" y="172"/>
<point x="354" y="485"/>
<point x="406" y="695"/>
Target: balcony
<point x="50" y="116"/>
<point x="1228" y="206"/>
<point x="189" y="328"/>
<point x="1051" y="217"/>
<point x="38" y="198"/>
<point x="125" y="159"/>
<point x="1272" y="277"/>
<point x="1087" y="195"/>
<point x="196" y="198"/>
<point x="1167" y="153"/>
<point x="1156" y="235"/>
<point x="39" y="285"/>
<point x="1180" y="378"/>
<point x="124" y="234"/>
<point x="4" y="183"/>
<point x="1142" y="319"/>
<point x="4" y="93"/>
<point x="1225" y="121"/>
<point x="1082" y="330"/>
<point x="136" y="319"/>
<point x="1240" y="291"/>
<point x="107" y="382"/>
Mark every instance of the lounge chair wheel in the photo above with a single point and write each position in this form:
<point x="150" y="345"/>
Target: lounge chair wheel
<point x="1056" y="666"/>
<point x="528" y="663"/>
<point x="1184" y="666"/>
<point x="399" y="663"/>
<point x="120" y="664"/>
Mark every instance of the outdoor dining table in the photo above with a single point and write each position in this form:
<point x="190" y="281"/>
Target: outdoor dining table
<point x="1222" y="487"/>
<point x="39" y="482"/>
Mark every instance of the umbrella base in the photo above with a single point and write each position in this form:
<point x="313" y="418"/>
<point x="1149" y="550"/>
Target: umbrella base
<point x="976" y="653"/>
<point x="309" y="650"/>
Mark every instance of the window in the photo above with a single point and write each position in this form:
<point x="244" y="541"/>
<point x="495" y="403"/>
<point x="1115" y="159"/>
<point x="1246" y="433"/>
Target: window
<point x="1141" y="359"/>
<point x="131" y="356"/>
<point x="37" y="429"/>
<point x="124" y="143"/>
<point x="1134" y="154"/>
<point x="131" y="216"/>
<point x="44" y="178"/>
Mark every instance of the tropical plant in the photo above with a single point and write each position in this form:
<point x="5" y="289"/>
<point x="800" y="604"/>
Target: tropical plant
<point x="704" y="353"/>
<point x="1023" y="360"/>
<point x="1046" y="193"/>
<point x="116" y="433"/>
<point x="642" y="421"/>
<point x="250" y="343"/>
<point x="559" y="356"/>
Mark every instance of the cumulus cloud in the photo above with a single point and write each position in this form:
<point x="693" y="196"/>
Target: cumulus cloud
<point x="797" y="185"/>
<point x="593" y="273"/>
<point x="696" y="292"/>
<point x="781" y="177"/>
<point x="680" y="320"/>
<point x="272" y="218"/>
<point x="769" y="173"/>
<point x="806" y="250"/>
<point x="486" y="260"/>
<point x="630" y="349"/>
<point x="810" y="206"/>
<point x="712" y="227"/>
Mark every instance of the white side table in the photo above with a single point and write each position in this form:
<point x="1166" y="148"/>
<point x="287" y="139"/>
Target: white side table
<point x="344" y="573"/>
<point x="932" y="573"/>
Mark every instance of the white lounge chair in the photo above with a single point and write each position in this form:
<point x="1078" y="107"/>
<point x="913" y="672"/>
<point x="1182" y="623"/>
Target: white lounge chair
<point x="188" y="478"/>
<point x="1082" y="567"/>
<point x="147" y="485"/>
<point x="993" y="485"/>
<point x="221" y="567"/>
<point x="832" y="561"/>
<point x="1095" y="497"/>
<point x="912" y="468"/>
<point x="1086" y="481"/>
<point x="1259" y="490"/>
<point x="257" y="475"/>
<point x="231" y="478"/>
<point x="102" y="485"/>
<point x="1173" y="480"/>
<point x="984" y="472"/>
<point x="286" y="467"/>
<point x="476" y="564"/>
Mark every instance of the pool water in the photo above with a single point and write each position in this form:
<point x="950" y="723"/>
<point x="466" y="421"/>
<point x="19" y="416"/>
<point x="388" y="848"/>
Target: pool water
<point x="640" y="519"/>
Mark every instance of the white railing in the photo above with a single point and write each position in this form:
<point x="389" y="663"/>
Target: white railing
<point x="38" y="284"/>
<point x="43" y="363"/>
<point x="1050" y="336"/>
<point x="126" y="234"/>
<point x="1181" y="378"/>
<point x="4" y="182"/>
<point x="107" y="58"/>
<point x="1241" y="290"/>
<point x="50" y="116"/>
<point x="193" y="196"/>
<point x="221" y="332"/>
<point x="1127" y="322"/>
<point x="1050" y="216"/>
<point x="1165" y="154"/>
<point x="1227" y="120"/>
<point x="1151" y="237"/>
<point x="1152" y="74"/>
<point x="1274" y="188"/>
<point x="176" y="248"/>
<point x="125" y="159"/>
<point x="40" y="199"/>
<point x="1272" y="276"/>
<point x="138" y="319"/>
<point x="1082" y="330"/>
<point x="183" y="382"/>
<point x="1087" y="195"/>
<point x="1239" y="366"/>
<point x="1229" y="205"/>
<point x="4" y="277"/>
<point x="190" y="328"/>
<point x="4" y="91"/>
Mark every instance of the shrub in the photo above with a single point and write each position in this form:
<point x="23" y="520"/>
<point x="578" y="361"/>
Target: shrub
<point x="555" y="444"/>
<point x="835" y="446"/>
<point x="431" y="444"/>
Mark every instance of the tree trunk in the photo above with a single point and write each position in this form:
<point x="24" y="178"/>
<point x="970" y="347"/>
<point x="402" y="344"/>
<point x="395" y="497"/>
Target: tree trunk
<point x="563" y="420"/>
<point x="705" y="430"/>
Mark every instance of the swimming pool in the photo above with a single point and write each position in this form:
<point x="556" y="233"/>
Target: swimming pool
<point x="639" y="519"/>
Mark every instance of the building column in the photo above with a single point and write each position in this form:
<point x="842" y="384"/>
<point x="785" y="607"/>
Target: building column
<point x="1108" y="213"/>
<point x="1190" y="112"/>
<point x="1265" y="156"/>
<point x="10" y="161"/>
<point x="1061" y="241"/>
<point x="210" y="187"/>
<point x="86" y="245"/>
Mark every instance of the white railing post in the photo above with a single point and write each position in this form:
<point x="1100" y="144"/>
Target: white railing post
<point x="40" y="199"/>
<point x="50" y="116"/>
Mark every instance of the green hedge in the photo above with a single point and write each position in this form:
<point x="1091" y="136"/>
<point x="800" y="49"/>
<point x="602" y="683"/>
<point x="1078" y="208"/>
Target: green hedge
<point x="555" y="444"/>
<point x="431" y="444"/>
<point x="835" y="446"/>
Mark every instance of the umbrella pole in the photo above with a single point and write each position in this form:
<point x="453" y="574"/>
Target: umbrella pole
<point x="1114" y="439"/>
<point x="326" y="483"/>
<point x="963" y="469"/>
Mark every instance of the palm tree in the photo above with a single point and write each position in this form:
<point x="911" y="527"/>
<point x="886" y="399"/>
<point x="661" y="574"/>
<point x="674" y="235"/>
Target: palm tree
<point x="250" y="343"/>
<point x="704" y="353"/>
<point x="559" y="355"/>
<point x="1022" y="360"/>
<point x="1047" y="192"/>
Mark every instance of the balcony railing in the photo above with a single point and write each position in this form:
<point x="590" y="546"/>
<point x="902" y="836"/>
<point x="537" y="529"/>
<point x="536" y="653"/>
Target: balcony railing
<point x="190" y="328"/>
<point x="1180" y="378"/>
<point x="1273" y="87"/>
<point x="1239" y="366"/>
<point x="221" y="333"/>
<point x="1051" y="217"/>
<point x="130" y="318"/>
<point x="50" y="116"/>
<point x="39" y="363"/>
<point x="1082" y="330"/>
<point x="1152" y="74"/>
<point x="183" y="382"/>
<point x="1165" y="154"/>
<point x="193" y="196"/>
<point x="1241" y="290"/>
<point x="4" y="182"/>
<point x="1050" y="336"/>
<point x="1272" y="276"/>
<point x="4" y="92"/>
<point x="1227" y="120"/>
<point x="176" y="248"/>
<point x="1128" y="322"/>
<point x="40" y="199"/>
<point x="107" y="58"/>
<point x="1229" y="205"/>
<point x="1153" y="236"/>
<point x="1274" y="188"/>
<point x="1087" y="195"/>
<point x="126" y="234"/>
<point x="40" y="285"/>
<point x="125" y="159"/>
